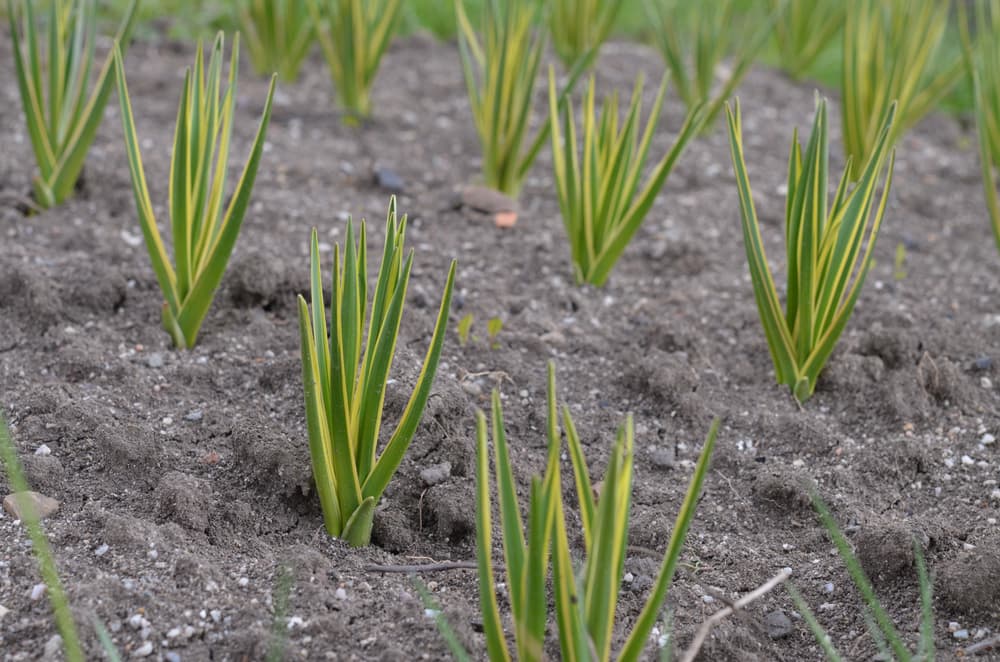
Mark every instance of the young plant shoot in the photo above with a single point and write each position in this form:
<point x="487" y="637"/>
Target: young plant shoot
<point x="892" y="54"/>
<point x="354" y="35"/>
<point x="695" y="37"/>
<point x="500" y="73"/>
<point x="62" y="118"/>
<point x="345" y="377"/>
<point x="204" y="233"/>
<point x="585" y="596"/>
<point x="278" y="34"/>
<point x="804" y="30"/>
<point x="983" y="59"/>
<point x="578" y="27"/>
<point x="829" y="248"/>
<point x="880" y="624"/>
<point x="602" y="204"/>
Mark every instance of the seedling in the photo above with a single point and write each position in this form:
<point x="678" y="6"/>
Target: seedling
<point x="891" y="56"/>
<point x="203" y="235"/>
<point x="500" y="73"/>
<point x="464" y="328"/>
<point x="493" y="328"/>
<point x="602" y="204"/>
<point x="879" y="622"/>
<point x="61" y="612"/>
<point x="585" y="597"/>
<point x="279" y="34"/>
<point x="826" y="245"/>
<point x="899" y="266"/>
<point x="62" y="118"/>
<point x="345" y="377"/>
<point x="354" y="35"/>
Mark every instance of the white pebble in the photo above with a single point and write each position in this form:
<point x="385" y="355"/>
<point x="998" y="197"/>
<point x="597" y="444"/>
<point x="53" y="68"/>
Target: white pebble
<point x="43" y="450"/>
<point x="966" y="460"/>
<point x="629" y="578"/>
<point x="707" y="599"/>
<point x="961" y="634"/>
<point x="296" y="622"/>
<point x="167" y="420"/>
<point x="987" y="439"/>
<point x="143" y="651"/>
<point x="101" y="551"/>
<point x="340" y="594"/>
<point x="216" y="615"/>
<point x="137" y="622"/>
<point x="985" y="382"/>
<point x="828" y="587"/>
<point x="432" y="613"/>
<point x="243" y="582"/>
<point x="37" y="591"/>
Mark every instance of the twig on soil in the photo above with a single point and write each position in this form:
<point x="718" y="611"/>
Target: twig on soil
<point x="715" y="618"/>
<point x="981" y="647"/>
<point x="423" y="567"/>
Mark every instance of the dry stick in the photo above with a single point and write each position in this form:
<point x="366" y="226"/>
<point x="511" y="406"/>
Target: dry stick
<point x="983" y="646"/>
<point x="423" y="567"/>
<point x="715" y="618"/>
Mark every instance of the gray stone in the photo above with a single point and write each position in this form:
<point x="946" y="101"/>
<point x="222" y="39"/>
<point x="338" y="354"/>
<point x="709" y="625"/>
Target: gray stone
<point x="778" y="624"/>
<point x="437" y="473"/>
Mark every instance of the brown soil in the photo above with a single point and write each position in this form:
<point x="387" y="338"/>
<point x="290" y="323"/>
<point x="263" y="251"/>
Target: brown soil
<point x="184" y="476"/>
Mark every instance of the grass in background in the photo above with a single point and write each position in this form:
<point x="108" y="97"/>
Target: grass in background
<point x="204" y="233"/>
<point x="828" y="248"/>
<point x="982" y="57"/>
<point x="880" y="625"/>
<point x="61" y="117"/>
<point x="278" y="34"/>
<point x="696" y="38"/>
<point x="599" y="190"/>
<point x="578" y="27"/>
<point x="892" y="54"/>
<point x="804" y="30"/>
<point x="354" y="35"/>
<point x="345" y="387"/>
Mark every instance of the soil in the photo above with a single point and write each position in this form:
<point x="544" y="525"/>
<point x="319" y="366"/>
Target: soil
<point x="184" y="477"/>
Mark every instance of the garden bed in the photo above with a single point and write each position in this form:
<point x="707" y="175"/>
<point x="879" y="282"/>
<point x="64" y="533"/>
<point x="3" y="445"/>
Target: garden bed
<point x="184" y="477"/>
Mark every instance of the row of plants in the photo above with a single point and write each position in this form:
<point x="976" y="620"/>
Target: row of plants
<point x="345" y="370"/>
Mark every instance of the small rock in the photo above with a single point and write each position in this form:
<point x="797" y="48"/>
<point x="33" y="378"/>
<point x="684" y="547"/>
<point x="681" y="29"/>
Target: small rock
<point x="155" y="360"/>
<point x="3" y="612"/>
<point x="243" y="582"/>
<point x="987" y="439"/>
<point x="19" y="503"/>
<point x="437" y="473"/>
<point x="194" y="415"/>
<point x="340" y="594"/>
<point x="101" y="551"/>
<point x="43" y="450"/>
<point x="172" y="656"/>
<point x="143" y="651"/>
<point x="37" y="591"/>
<point x="778" y="624"/>
<point x="828" y="587"/>
<point x="982" y="363"/>
<point x="662" y="457"/>
<point x="52" y="648"/>
<point x="961" y="634"/>
<point x="388" y="180"/>
<point x="485" y="200"/>
<point x="216" y="616"/>
<point x="985" y="382"/>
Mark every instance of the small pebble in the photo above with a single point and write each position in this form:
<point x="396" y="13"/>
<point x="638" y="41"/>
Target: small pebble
<point x="243" y="582"/>
<point x="707" y="599"/>
<point x="828" y="587"/>
<point x="143" y="651"/>
<point x="172" y="656"/>
<point x="388" y="180"/>
<point x="628" y="578"/>
<point x="17" y="503"/>
<point x="37" y="591"/>
<point x="662" y="457"/>
<point x="778" y="624"/>
<point x="435" y="474"/>
<point x="961" y="634"/>
<point x="985" y="382"/>
<point x="53" y="648"/>
<point x="43" y="450"/>
<point x="155" y="360"/>
<point x="101" y="551"/>
<point x="988" y="439"/>
<point x="340" y="594"/>
<point x="296" y="622"/>
<point x="966" y="460"/>
<point x="216" y="615"/>
<point x="194" y="415"/>
<point x="982" y="363"/>
<point x="3" y="612"/>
